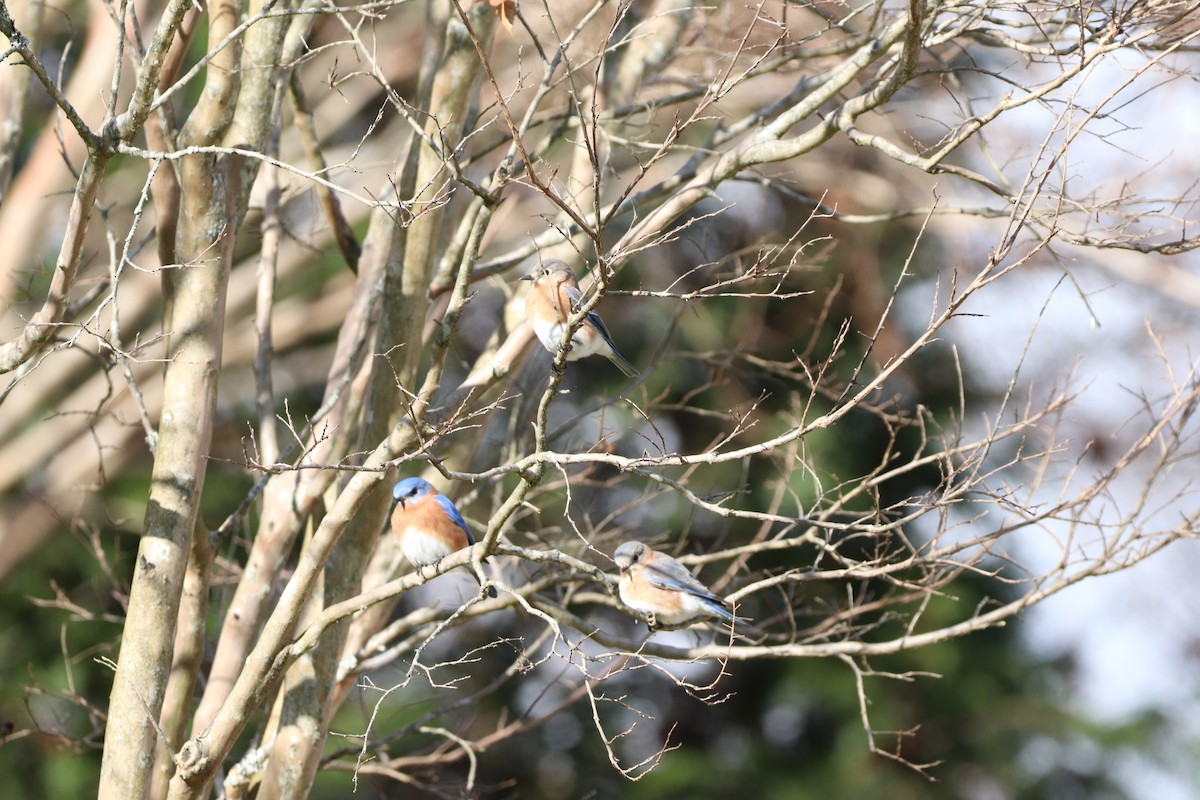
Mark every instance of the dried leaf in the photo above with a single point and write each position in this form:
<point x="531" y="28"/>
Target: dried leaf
<point x="507" y="9"/>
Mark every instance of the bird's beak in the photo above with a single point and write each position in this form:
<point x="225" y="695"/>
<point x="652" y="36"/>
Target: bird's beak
<point x="527" y="277"/>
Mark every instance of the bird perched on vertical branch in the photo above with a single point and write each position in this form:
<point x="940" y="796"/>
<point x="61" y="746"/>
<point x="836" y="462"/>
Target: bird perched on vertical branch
<point x="660" y="587"/>
<point x="552" y="298"/>
<point x="428" y="525"/>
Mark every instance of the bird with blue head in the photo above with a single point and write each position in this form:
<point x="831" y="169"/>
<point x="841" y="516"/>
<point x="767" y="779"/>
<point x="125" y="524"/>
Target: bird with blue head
<point x="427" y="524"/>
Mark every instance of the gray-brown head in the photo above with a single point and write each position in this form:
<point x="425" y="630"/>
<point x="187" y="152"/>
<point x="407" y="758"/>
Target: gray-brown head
<point x="629" y="554"/>
<point x="551" y="273"/>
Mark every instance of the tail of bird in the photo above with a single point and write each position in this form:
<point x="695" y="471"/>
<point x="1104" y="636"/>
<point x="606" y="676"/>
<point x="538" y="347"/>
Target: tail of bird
<point x="490" y="591"/>
<point x="720" y="608"/>
<point x="622" y="364"/>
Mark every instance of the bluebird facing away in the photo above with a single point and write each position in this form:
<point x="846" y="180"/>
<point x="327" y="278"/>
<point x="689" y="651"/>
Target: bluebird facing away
<point x="661" y="587"/>
<point x="428" y="524"/>
<point x="552" y="298"/>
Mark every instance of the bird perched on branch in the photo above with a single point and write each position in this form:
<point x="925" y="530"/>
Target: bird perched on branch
<point x="427" y="524"/>
<point x="662" y="588"/>
<point x="552" y="298"/>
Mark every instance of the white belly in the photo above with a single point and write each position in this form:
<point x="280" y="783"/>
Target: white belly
<point x="421" y="549"/>
<point x="550" y="335"/>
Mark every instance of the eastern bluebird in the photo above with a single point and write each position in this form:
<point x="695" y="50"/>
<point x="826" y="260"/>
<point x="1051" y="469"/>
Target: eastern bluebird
<point x="552" y="298"/>
<point x="428" y="524"/>
<point x="658" y="585"/>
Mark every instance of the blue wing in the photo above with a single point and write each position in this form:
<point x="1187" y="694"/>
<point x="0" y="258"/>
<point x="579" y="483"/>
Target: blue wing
<point x="592" y="317"/>
<point x="667" y="573"/>
<point x="452" y="512"/>
<point x="575" y="295"/>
